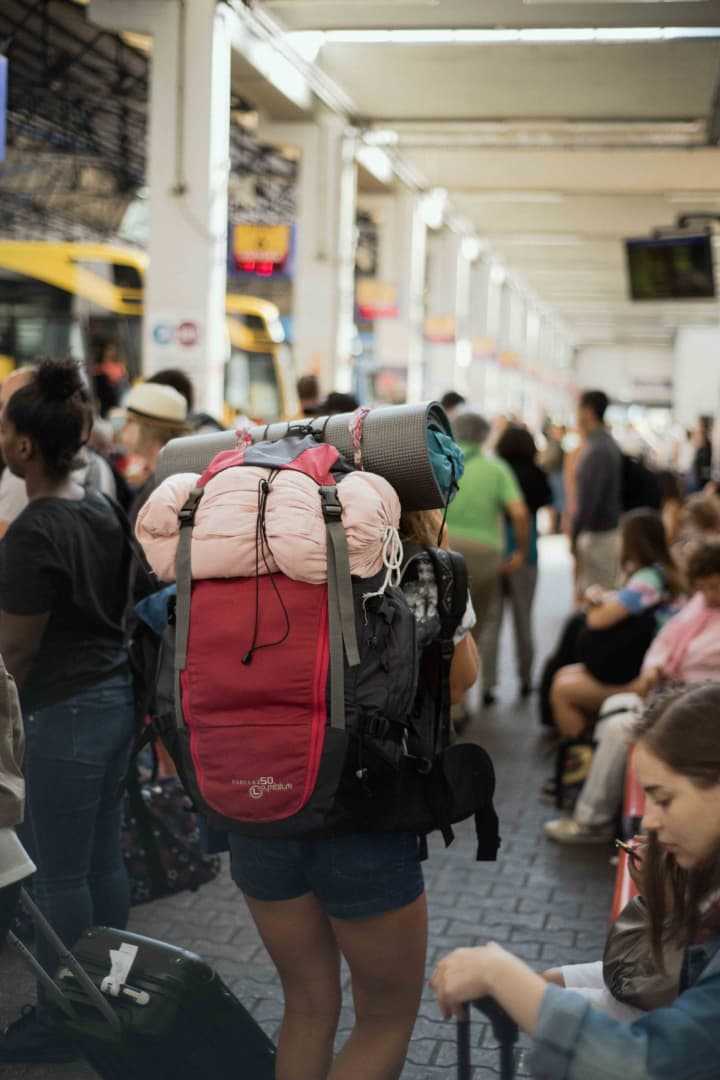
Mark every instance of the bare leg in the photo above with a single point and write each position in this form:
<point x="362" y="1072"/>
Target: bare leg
<point x="299" y="937"/>
<point x="386" y="955"/>
<point x="576" y="698"/>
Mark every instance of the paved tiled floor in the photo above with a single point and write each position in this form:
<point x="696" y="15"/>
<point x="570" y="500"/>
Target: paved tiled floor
<point x="548" y="904"/>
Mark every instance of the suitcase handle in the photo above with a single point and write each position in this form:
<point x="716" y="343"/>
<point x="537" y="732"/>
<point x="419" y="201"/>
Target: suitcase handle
<point x="65" y="957"/>
<point x="505" y="1030"/>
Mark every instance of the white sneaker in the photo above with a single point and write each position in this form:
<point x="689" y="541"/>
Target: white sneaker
<point x="566" y="830"/>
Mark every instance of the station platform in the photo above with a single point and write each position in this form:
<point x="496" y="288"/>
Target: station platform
<point x="548" y="904"/>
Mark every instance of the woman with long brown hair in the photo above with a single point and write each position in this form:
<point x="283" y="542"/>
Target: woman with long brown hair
<point x="678" y="763"/>
<point x="653" y="585"/>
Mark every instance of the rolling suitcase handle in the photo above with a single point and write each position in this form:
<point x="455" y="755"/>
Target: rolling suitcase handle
<point x="66" y="958"/>
<point x="505" y="1030"/>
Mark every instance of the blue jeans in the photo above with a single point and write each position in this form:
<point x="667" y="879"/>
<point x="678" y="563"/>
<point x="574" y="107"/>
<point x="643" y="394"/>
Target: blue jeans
<point x="77" y="752"/>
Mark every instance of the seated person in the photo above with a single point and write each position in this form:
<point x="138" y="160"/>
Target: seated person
<point x="699" y="522"/>
<point x="652" y="585"/>
<point x="678" y="764"/>
<point x="687" y="650"/>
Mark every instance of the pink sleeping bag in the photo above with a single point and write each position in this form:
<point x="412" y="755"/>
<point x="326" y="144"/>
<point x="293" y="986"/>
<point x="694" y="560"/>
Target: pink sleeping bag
<point x="223" y="542"/>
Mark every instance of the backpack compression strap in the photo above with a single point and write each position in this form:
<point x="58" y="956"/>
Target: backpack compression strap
<point x="183" y="577"/>
<point x="341" y="607"/>
<point x="451" y="579"/>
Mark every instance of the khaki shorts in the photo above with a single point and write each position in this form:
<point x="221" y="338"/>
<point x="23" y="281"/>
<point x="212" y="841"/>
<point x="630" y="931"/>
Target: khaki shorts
<point x="598" y="559"/>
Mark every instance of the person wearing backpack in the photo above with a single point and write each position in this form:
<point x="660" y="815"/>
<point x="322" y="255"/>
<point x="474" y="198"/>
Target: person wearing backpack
<point x="63" y="588"/>
<point x="360" y="896"/>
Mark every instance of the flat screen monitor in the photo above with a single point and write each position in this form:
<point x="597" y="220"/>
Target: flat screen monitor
<point x="671" y="267"/>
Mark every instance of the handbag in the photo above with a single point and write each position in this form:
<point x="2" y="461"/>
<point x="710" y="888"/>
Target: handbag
<point x="629" y="969"/>
<point x="614" y="655"/>
<point x="161" y="841"/>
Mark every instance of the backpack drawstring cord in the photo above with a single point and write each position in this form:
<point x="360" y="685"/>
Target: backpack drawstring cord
<point x="392" y="557"/>
<point x="262" y="546"/>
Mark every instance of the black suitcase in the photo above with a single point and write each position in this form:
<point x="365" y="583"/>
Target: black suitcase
<point x="173" y="1018"/>
<point x="505" y="1030"/>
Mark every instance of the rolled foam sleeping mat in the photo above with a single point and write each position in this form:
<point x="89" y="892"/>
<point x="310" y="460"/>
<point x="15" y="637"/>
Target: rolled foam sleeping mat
<point x="394" y="444"/>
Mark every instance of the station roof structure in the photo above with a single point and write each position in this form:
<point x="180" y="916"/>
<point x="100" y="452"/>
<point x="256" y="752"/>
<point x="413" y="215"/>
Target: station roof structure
<point x="557" y="127"/>
<point x="553" y="142"/>
<point x="77" y="117"/>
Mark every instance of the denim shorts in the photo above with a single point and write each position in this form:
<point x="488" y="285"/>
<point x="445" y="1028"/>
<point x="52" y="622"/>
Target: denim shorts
<point x="353" y="877"/>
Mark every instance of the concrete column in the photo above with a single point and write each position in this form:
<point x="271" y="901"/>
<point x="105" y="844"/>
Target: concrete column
<point x="696" y="380"/>
<point x="188" y="168"/>
<point x="479" y="337"/>
<point x="447" y="361"/>
<point x="403" y="241"/>
<point x="324" y="264"/>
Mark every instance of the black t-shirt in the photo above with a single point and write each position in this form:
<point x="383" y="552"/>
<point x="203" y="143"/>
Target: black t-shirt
<point x="69" y="558"/>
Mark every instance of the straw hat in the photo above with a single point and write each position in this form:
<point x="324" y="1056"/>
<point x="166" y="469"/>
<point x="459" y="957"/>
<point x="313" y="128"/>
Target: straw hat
<point x="157" y="404"/>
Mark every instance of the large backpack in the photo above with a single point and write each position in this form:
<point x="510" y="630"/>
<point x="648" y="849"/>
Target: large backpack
<point x="640" y="486"/>
<point x="301" y="709"/>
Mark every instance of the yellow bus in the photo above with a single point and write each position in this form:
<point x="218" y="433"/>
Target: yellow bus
<point x="60" y="299"/>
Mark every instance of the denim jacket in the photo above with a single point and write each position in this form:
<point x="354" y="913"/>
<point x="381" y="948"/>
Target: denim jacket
<point x="574" y="1041"/>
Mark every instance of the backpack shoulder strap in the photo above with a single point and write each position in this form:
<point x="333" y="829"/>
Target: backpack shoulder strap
<point x="341" y="606"/>
<point x="451" y="577"/>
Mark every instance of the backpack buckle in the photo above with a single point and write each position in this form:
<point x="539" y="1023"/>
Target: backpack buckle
<point x="186" y="514"/>
<point x="331" y="505"/>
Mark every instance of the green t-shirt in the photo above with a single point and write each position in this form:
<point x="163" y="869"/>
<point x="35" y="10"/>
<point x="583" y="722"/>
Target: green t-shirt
<point x="486" y="488"/>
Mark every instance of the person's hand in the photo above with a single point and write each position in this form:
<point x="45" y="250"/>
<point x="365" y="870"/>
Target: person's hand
<point x="594" y="594"/>
<point x="464" y="975"/>
<point x="636" y="859"/>
<point x="513" y="563"/>
<point x="648" y="680"/>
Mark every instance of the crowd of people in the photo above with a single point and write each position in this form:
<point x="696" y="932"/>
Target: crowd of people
<point x="638" y="663"/>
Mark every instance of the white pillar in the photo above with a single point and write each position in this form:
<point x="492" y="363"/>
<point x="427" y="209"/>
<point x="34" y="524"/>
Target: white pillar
<point x="480" y="286"/>
<point x="449" y="304"/>
<point x="403" y="246"/>
<point x="188" y="167"/>
<point x="696" y="379"/>
<point x="403" y="241"/>
<point x="324" y="264"/>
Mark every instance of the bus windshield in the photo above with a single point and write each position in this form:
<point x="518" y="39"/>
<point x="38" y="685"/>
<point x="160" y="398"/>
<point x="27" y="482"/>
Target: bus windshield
<point x="251" y="386"/>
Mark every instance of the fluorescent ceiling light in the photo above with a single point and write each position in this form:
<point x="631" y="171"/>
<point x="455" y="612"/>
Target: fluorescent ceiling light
<point x="541" y="239"/>
<point x="433" y="207"/>
<point x="310" y="40"/>
<point x="381" y="137"/>
<point x="471" y="248"/>
<point x="692" y="197"/>
<point x="597" y="3"/>
<point x="307" y="43"/>
<point x="279" y="72"/>
<point x="375" y="161"/>
<point x="545" y="197"/>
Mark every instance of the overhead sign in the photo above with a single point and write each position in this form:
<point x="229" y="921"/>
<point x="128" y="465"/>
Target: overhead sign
<point x="261" y="243"/>
<point x="440" y="329"/>
<point x="376" y="299"/>
<point x="3" y="103"/>
<point x="178" y="333"/>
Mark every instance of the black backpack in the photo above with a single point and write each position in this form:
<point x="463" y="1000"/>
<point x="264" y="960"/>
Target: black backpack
<point x="640" y="486"/>
<point x="439" y="784"/>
